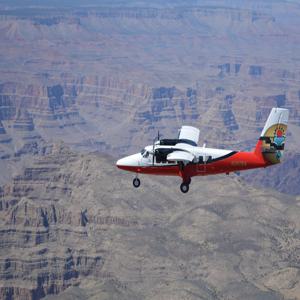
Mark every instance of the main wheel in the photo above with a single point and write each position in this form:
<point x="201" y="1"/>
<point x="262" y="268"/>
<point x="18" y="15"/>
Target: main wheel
<point x="184" y="187"/>
<point x="136" y="182"/>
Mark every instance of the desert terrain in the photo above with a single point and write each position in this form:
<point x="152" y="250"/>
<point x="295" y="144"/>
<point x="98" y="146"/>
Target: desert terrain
<point x="83" y="84"/>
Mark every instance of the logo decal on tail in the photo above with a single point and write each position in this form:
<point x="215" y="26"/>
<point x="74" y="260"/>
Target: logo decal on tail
<point x="273" y="135"/>
<point x="279" y="138"/>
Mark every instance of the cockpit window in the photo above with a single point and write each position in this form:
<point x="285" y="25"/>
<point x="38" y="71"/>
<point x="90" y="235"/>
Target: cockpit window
<point x="144" y="152"/>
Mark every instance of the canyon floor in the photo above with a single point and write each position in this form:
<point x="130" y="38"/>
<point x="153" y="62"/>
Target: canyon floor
<point x="73" y="224"/>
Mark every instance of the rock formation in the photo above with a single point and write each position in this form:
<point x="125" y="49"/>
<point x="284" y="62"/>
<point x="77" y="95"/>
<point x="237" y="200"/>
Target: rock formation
<point x="106" y="79"/>
<point x="103" y="87"/>
<point x="4" y="138"/>
<point x="73" y="226"/>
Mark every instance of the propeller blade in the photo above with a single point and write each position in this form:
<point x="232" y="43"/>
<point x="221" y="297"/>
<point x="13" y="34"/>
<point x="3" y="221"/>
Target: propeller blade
<point x="153" y="152"/>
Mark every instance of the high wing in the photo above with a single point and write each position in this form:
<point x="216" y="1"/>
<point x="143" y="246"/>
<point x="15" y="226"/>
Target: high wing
<point x="189" y="134"/>
<point x="180" y="156"/>
<point x="187" y="138"/>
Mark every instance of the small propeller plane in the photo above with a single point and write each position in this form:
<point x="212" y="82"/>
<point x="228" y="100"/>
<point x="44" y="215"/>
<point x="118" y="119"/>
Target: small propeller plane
<point x="182" y="157"/>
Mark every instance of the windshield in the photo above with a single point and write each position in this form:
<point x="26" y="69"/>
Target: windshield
<point x="143" y="151"/>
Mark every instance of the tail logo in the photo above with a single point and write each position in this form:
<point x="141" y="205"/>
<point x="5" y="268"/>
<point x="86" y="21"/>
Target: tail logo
<point x="273" y="135"/>
<point x="279" y="139"/>
<point x="273" y="143"/>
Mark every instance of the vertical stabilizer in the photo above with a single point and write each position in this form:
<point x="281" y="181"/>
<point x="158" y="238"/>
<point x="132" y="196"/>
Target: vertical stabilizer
<point x="272" y="139"/>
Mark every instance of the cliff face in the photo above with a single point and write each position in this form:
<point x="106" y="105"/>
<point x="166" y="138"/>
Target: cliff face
<point x="282" y="177"/>
<point x="73" y="226"/>
<point x="43" y="231"/>
<point x="119" y="117"/>
<point x="81" y="107"/>
<point x="107" y="78"/>
<point x="47" y="104"/>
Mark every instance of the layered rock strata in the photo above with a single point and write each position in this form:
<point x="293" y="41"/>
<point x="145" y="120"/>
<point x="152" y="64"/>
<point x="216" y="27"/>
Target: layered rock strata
<point x="73" y="226"/>
<point x="105" y="87"/>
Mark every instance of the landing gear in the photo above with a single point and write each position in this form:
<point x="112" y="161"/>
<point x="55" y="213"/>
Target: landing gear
<point x="136" y="182"/>
<point x="181" y="165"/>
<point x="184" y="187"/>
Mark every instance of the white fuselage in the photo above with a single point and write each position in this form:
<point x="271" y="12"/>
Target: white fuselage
<point x="145" y="157"/>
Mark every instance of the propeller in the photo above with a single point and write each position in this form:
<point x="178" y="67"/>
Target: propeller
<point x="153" y="152"/>
<point x="153" y="148"/>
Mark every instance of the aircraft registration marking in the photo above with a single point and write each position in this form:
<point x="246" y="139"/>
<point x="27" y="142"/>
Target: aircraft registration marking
<point x="239" y="163"/>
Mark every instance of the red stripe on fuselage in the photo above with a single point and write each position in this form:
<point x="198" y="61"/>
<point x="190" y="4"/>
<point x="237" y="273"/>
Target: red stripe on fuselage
<point x="236" y="162"/>
<point x="170" y="170"/>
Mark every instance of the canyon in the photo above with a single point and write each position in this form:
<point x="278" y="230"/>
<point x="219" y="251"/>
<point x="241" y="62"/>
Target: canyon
<point x="72" y="225"/>
<point x="84" y="84"/>
<point x="108" y="78"/>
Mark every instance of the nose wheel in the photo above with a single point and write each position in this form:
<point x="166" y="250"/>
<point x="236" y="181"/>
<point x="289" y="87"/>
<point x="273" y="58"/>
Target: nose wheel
<point x="184" y="187"/>
<point x="136" y="182"/>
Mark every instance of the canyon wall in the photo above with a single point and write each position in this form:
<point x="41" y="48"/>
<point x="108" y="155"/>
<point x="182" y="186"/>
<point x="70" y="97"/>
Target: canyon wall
<point x="73" y="226"/>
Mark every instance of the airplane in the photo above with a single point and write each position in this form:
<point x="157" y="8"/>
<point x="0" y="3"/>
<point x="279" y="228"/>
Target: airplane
<point x="182" y="157"/>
